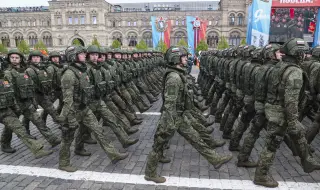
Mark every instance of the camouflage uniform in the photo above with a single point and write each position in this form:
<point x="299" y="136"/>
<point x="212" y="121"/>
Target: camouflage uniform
<point x="77" y="94"/>
<point x="248" y="112"/>
<point x="284" y="86"/>
<point x="8" y="116"/>
<point x="174" y="117"/>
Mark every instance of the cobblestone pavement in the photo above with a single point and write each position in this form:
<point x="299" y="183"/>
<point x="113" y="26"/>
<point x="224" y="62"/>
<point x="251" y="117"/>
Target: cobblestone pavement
<point x="188" y="170"/>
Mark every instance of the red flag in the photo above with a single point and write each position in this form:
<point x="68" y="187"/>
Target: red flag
<point x="292" y="13"/>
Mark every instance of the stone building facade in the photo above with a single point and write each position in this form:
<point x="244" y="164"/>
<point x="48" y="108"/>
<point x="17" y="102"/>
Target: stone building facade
<point x="67" y="20"/>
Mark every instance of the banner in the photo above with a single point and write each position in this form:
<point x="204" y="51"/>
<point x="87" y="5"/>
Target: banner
<point x="196" y="30"/>
<point x="261" y="11"/>
<point x="161" y="29"/>
<point x="316" y="40"/>
<point x="296" y="3"/>
<point x="249" y="25"/>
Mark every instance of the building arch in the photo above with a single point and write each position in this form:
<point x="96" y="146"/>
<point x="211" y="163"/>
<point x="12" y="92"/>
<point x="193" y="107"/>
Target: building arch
<point x="5" y="39"/>
<point x="212" y="39"/>
<point x="18" y="37"/>
<point x="132" y="38"/>
<point x="80" y="38"/>
<point x="147" y="38"/>
<point x="47" y="38"/>
<point x="234" y="38"/>
<point x="177" y="36"/>
<point x="33" y="38"/>
<point x="117" y="35"/>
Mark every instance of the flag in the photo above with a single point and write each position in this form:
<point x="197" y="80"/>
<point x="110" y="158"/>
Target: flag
<point x="161" y="28"/>
<point x="196" y="29"/>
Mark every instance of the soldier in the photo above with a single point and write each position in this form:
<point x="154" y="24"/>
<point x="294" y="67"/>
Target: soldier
<point x="248" y="73"/>
<point x="285" y="83"/>
<point x="108" y="99"/>
<point x="237" y="83"/>
<point x="9" y="109"/>
<point x="223" y="101"/>
<point x="56" y="68"/>
<point x="42" y="78"/>
<point x="96" y="75"/>
<point x="25" y="97"/>
<point x="175" y="107"/>
<point x="77" y="94"/>
<point x="271" y="56"/>
<point x="122" y="104"/>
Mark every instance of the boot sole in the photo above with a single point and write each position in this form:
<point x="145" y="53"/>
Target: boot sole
<point x="220" y="164"/>
<point x="262" y="184"/>
<point x="149" y="179"/>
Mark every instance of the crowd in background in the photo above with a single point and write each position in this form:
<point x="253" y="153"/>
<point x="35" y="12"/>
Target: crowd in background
<point x="291" y="22"/>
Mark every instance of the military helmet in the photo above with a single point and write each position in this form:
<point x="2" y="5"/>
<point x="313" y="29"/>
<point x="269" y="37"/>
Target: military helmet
<point x="107" y="50"/>
<point x="174" y="54"/>
<point x="35" y="53"/>
<point x="117" y="50"/>
<point x="294" y="46"/>
<point x="247" y="50"/>
<point x="93" y="49"/>
<point x="14" y="51"/>
<point x="256" y="53"/>
<point x="54" y="54"/>
<point x="268" y="51"/>
<point x="72" y="52"/>
<point x="316" y="51"/>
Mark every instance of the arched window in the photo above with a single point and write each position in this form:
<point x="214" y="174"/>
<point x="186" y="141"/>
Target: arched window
<point x="147" y="37"/>
<point x="212" y="39"/>
<point x="234" y="38"/>
<point x="5" y="39"/>
<point x="113" y="23"/>
<point x="33" y="39"/>
<point x="240" y="19"/>
<point x="18" y="37"/>
<point x="132" y="39"/>
<point x="177" y="37"/>
<point x="232" y="19"/>
<point x="47" y="39"/>
<point x="117" y="36"/>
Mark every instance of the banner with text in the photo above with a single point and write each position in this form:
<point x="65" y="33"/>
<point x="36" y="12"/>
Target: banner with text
<point x="261" y="11"/>
<point x="161" y="29"/>
<point x="196" y="29"/>
<point x="296" y="3"/>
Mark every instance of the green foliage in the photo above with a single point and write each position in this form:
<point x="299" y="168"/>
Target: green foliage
<point x="223" y="44"/>
<point x="24" y="47"/>
<point x="95" y="42"/>
<point x="76" y="42"/>
<point x="183" y="43"/>
<point x="162" y="46"/>
<point x="40" y="46"/>
<point x="3" y="49"/>
<point x="142" y="45"/>
<point x="243" y="42"/>
<point x="202" y="46"/>
<point x="116" y="44"/>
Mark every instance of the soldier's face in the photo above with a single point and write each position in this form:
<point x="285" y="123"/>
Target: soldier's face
<point x="109" y="56"/>
<point x="129" y="56"/>
<point x="82" y="57"/>
<point x="55" y="59"/>
<point x="93" y="57"/>
<point x="102" y="58"/>
<point x="15" y="59"/>
<point x="278" y="55"/>
<point x="135" y="55"/>
<point x="184" y="60"/>
<point x="35" y="59"/>
<point x="117" y="56"/>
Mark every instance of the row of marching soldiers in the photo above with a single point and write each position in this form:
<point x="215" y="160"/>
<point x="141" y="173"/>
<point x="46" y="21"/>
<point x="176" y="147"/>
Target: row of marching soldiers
<point x="97" y="84"/>
<point x="272" y="88"/>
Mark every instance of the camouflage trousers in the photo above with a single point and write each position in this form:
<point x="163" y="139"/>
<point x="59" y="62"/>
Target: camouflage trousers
<point x="87" y="120"/>
<point x="100" y="110"/>
<point x="144" y="89"/>
<point x="234" y="113"/>
<point x="277" y="128"/>
<point x="142" y="85"/>
<point x="314" y="129"/>
<point x="30" y="114"/>
<point x="259" y="122"/>
<point x="125" y="108"/>
<point x="222" y="104"/>
<point x="136" y="97"/>
<point x="13" y="124"/>
<point x="216" y="97"/>
<point x="67" y="137"/>
<point x="164" y="133"/>
<point x="247" y="115"/>
<point x="56" y="95"/>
